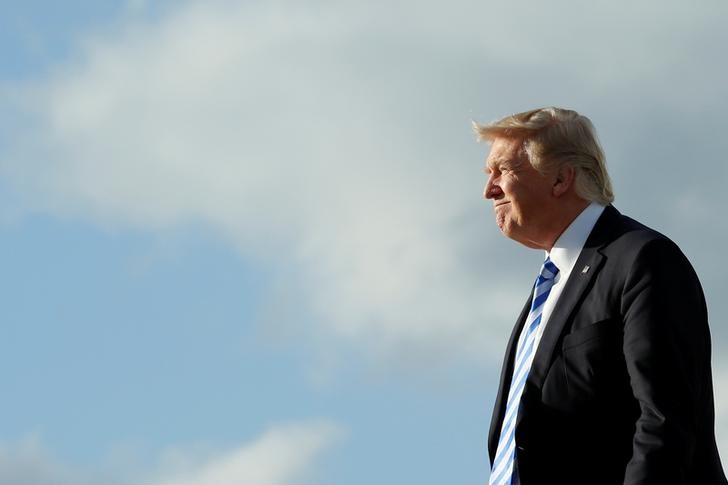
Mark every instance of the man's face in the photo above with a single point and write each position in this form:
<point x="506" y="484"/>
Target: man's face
<point x="522" y="196"/>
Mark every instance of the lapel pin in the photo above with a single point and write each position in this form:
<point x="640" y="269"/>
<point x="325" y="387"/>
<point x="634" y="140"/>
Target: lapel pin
<point x="586" y="268"/>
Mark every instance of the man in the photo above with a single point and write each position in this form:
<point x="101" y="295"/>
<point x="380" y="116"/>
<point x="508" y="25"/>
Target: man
<point x="606" y="377"/>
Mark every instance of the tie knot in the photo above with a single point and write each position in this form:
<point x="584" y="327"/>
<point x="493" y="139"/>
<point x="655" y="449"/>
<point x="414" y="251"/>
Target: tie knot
<point x="549" y="270"/>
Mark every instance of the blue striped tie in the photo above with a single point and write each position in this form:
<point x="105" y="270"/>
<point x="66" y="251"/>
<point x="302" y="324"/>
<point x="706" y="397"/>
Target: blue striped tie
<point x="502" y="472"/>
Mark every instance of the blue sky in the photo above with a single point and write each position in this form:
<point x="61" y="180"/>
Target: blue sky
<point x="244" y="242"/>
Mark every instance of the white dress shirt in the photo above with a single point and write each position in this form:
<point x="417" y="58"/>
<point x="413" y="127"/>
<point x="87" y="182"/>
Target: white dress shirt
<point x="564" y="254"/>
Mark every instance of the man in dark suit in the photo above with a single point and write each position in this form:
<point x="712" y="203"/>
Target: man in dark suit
<point x="607" y="374"/>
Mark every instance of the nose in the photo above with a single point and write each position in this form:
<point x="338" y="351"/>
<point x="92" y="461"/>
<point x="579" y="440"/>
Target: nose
<point x="491" y="189"/>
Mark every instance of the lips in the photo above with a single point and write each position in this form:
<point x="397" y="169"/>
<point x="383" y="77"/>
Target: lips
<point x="500" y="204"/>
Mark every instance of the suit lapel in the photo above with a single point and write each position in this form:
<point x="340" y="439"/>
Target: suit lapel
<point x="572" y="293"/>
<point x="574" y="290"/>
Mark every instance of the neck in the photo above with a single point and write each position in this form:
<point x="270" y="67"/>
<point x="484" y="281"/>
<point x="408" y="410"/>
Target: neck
<point x="563" y="219"/>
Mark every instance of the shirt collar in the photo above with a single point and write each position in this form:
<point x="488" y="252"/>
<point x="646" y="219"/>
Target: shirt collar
<point x="568" y="246"/>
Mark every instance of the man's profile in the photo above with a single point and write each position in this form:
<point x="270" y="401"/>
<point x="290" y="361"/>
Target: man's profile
<point x="607" y="375"/>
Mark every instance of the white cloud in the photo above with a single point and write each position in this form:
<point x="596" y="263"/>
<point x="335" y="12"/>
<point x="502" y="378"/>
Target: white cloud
<point x="284" y="455"/>
<point x="27" y="462"/>
<point x="255" y="121"/>
<point x="331" y="140"/>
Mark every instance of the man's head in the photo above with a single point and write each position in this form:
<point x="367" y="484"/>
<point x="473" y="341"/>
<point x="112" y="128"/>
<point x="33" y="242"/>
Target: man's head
<point x="544" y="167"/>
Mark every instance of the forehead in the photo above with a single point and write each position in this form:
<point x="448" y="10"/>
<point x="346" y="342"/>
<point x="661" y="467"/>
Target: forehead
<point x="505" y="150"/>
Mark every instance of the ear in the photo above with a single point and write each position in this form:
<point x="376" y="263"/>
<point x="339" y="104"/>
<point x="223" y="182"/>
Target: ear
<point x="564" y="180"/>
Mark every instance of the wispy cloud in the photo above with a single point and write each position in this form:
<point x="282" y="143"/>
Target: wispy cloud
<point x="27" y="462"/>
<point x="282" y="456"/>
<point x="285" y="454"/>
<point x="252" y="120"/>
<point x="332" y="143"/>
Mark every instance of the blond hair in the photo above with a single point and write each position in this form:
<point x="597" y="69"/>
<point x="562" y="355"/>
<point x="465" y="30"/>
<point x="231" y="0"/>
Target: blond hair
<point x="553" y="137"/>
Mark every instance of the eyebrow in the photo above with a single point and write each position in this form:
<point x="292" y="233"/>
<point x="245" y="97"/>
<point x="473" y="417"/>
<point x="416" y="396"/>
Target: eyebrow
<point x="490" y="162"/>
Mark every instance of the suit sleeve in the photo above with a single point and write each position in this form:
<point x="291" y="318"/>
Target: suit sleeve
<point x="667" y="353"/>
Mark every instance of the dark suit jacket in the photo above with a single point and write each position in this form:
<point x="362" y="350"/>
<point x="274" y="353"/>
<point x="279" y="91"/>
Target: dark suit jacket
<point x="620" y="390"/>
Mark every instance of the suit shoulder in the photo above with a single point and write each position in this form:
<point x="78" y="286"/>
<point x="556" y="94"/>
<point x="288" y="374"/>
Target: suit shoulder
<point x="635" y="245"/>
<point x="627" y="235"/>
<point x="629" y="243"/>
